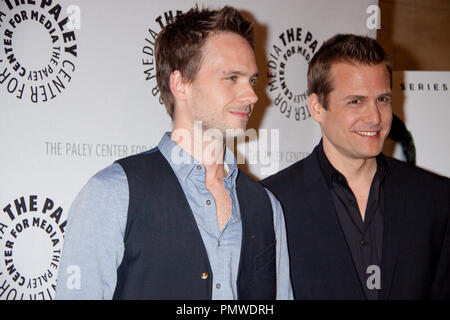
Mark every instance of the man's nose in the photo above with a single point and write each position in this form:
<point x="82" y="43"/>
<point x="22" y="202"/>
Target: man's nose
<point x="372" y="113"/>
<point x="248" y="95"/>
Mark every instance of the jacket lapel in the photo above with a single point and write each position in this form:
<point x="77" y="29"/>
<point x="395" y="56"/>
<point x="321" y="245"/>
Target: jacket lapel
<point x="394" y="207"/>
<point x="320" y="206"/>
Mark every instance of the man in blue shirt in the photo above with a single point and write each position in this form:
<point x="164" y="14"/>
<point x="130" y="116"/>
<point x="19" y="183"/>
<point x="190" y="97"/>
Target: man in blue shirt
<point x="182" y="221"/>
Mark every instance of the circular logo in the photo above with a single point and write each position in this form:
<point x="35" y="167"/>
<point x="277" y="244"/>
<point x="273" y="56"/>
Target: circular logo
<point x="287" y="69"/>
<point x="31" y="238"/>
<point x="37" y="50"/>
<point x="148" y="51"/>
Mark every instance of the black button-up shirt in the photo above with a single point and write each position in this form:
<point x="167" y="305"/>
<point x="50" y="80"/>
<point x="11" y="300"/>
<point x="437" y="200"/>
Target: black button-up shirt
<point x="364" y="237"/>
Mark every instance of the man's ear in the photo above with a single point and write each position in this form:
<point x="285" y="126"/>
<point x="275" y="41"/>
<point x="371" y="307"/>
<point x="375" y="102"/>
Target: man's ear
<point x="315" y="107"/>
<point x="178" y="85"/>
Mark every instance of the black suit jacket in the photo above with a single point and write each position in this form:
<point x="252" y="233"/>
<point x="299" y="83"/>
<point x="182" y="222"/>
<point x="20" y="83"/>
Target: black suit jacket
<point x="416" y="239"/>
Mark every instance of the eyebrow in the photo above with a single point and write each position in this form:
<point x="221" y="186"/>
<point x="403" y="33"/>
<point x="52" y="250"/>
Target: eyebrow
<point x="239" y="73"/>
<point x="355" y="96"/>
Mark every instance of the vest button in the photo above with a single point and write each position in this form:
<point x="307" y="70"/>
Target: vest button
<point x="208" y="202"/>
<point x="204" y="276"/>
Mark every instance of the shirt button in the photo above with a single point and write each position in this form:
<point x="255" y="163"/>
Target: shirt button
<point x="363" y="242"/>
<point x="199" y="167"/>
<point x="218" y="286"/>
<point x="208" y="202"/>
<point x="204" y="276"/>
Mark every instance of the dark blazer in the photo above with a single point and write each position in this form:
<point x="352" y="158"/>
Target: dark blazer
<point x="416" y="239"/>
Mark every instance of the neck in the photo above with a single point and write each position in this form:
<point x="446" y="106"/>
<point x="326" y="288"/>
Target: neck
<point x="206" y="148"/>
<point x="354" y="170"/>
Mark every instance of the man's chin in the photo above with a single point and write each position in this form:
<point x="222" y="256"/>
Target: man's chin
<point x="370" y="154"/>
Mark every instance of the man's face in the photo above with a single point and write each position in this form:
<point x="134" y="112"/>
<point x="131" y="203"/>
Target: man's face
<point x="359" y="112"/>
<point x="222" y="94"/>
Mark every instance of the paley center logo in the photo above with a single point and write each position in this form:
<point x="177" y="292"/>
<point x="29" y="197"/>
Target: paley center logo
<point x="287" y="69"/>
<point x="148" y="51"/>
<point x="38" y="48"/>
<point x="31" y="239"/>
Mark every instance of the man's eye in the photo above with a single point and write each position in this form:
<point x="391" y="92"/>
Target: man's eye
<point x="354" y="101"/>
<point x="253" y="81"/>
<point x="232" y="78"/>
<point x="384" y="99"/>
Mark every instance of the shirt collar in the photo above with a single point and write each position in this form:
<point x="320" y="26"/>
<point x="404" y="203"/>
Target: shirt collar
<point x="183" y="163"/>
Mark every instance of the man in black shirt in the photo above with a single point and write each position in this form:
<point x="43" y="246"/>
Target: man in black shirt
<point x="361" y="225"/>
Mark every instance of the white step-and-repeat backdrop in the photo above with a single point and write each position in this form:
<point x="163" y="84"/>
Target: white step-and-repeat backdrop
<point x="78" y="91"/>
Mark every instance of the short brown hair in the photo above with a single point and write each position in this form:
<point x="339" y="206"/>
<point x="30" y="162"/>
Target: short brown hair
<point x="342" y="48"/>
<point x="178" y="46"/>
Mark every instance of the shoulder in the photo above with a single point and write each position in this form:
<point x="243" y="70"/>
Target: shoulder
<point x="139" y="157"/>
<point x="424" y="191"/>
<point x="101" y="203"/>
<point x="287" y="176"/>
<point x="247" y="187"/>
<point x="415" y="176"/>
<point x="106" y="188"/>
<point x="149" y="160"/>
<point x="108" y="182"/>
<point x="111" y="174"/>
<point x="244" y="181"/>
<point x="104" y="196"/>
